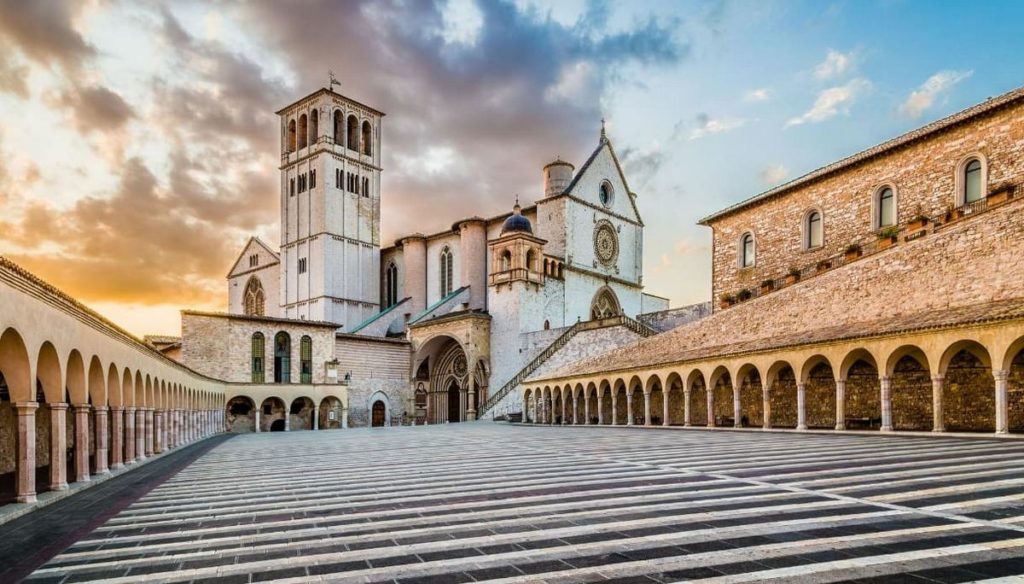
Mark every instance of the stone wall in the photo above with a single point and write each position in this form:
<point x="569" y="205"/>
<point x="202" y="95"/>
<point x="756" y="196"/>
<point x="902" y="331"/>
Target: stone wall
<point x="667" y="320"/>
<point x="378" y="367"/>
<point x="923" y="175"/>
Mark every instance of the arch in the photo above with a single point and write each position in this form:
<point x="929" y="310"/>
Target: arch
<point x="282" y="357"/>
<point x="656" y="390"/>
<point x="254" y="299"/>
<point x="258" y="356"/>
<point x="862" y="397"/>
<point x="782" y="395"/>
<point x="604" y="408"/>
<point x="332" y="412"/>
<point x="379" y="407"/>
<point x="367" y="139"/>
<point x="114" y="395"/>
<point x="606" y="193"/>
<point x="97" y="386"/>
<point x="674" y="396"/>
<point x="291" y="136"/>
<point x="300" y="413"/>
<point x="697" y="404"/>
<point x="353" y="133"/>
<point x="49" y="375"/>
<point x="605" y="304"/>
<point x="751" y="393"/>
<point x="390" y="285"/>
<point x="968" y="388"/>
<point x="272" y="414"/>
<point x="813" y="229"/>
<point x="240" y="415"/>
<point x="506" y="260"/>
<point x="314" y="126"/>
<point x="303" y="135"/>
<point x="339" y="127"/>
<point x="531" y="260"/>
<point x="75" y="379"/>
<point x="884" y="206"/>
<point x="910" y="386"/>
<point x="819" y="379"/>
<point x="140" y="390"/>
<point x="15" y="367"/>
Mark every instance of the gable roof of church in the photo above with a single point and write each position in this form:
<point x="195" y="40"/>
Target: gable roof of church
<point x="604" y="141"/>
<point x="245" y="249"/>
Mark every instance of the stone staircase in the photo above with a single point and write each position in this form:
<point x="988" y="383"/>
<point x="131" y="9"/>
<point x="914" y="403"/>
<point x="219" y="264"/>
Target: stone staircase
<point x="556" y="345"/>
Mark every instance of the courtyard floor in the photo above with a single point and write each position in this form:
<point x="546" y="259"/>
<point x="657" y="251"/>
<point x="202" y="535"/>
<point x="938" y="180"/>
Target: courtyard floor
<point x="485" y="501"/>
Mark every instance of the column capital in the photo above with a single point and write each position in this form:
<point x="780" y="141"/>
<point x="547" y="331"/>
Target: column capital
<point x="26" y="407"/>
<point x="101" y="409"/>
<point x="884" y="378"/>
<point x="117" y="408"/>
<point x="938" y="378"/>
<point x="1000" y="374"/>
<point x="81" y="407"/>
<point x="59" y="406"/>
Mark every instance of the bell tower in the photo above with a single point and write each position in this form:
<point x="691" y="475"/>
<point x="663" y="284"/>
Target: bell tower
<point x="330" y="209"/>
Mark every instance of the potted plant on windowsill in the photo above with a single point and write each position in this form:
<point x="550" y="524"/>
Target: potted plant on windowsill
<point x="1000" y="194"/>
<point x="793" y="276"/>
<point x="767" y="286"/>
<point x="823" y="266"/>
<point x="726" y="300"/>
<point x="887" y="237"/>
<point x="744" y="295"/>
<point x="918" y="222"/>
<point x="853" y="251"/>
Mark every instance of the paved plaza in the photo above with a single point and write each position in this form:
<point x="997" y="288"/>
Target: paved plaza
<point x="490" y="502"/>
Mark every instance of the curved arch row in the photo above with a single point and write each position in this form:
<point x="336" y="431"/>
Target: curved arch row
<point x="954" y="380"/>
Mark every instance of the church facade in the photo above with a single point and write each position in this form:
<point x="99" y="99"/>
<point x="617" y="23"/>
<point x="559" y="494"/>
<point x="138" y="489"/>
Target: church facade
<point x="474" y="304"/>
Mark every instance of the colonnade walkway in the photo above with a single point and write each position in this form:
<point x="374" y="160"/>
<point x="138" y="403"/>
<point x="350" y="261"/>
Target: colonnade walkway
<point x="493" y="502"/>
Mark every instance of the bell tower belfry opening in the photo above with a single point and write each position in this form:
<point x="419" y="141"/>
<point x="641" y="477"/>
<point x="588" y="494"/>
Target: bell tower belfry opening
<point x="330" y="209"/>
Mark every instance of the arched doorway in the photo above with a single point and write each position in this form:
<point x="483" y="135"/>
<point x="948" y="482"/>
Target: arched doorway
<point x="605" y="304"/>
<point x="377" y="414"/>
<point x="277" y="426"/>
<point x="454" y="409"/>
<point x="241" y="415"/>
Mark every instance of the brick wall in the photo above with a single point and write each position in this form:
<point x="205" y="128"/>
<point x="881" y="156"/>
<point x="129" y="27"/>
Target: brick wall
<point x="922" y="174"/>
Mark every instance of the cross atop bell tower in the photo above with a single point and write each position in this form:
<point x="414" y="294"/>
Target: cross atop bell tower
<point x="330" y="208"/>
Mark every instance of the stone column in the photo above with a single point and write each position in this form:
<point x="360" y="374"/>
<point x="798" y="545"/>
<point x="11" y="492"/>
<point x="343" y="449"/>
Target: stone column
<point x="58" y="447"/>
<point x="258" y="420"/>
<point x="149" y="431"/>
<point x="600" y="410"/>
<point x="711" y="408"/>
<point x="615" y="417"/>
<point x="344" y="417"/>
<point x="471" y="400"/>
<point x="840" y="404"/>
<point x="129" y="436"/>
<point x="158" y="431"/>
<point x="801" y="406"/>
<point x="287" y="420"/>
<point x="116" y="437"/>
<point x="737" y="411"/>
<point x="886" y="384"/>
<point x="575" y="411"/>
<point x="629" y="408"/>
<point x="82" y="442"/>
<point x="664" y="406"/>
<point x="140" y="434"/>
<point x="938" y="387"/>
<point x="586" y="408"/>
<point x="766" y="404"/>
<point x="100" y="415"/>
<point x="25" y="469"/>
<point x="1002" y="412"/>
<point x="647" y="408"/>
<point x="316" y="417"/>
<point x="686" y="407"/>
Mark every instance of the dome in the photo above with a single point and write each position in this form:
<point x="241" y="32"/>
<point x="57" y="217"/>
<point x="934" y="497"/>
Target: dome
<point x="516" y="223"/>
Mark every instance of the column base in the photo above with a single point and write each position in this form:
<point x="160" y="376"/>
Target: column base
<point x="840" y="426"/>
<point x="802" y="427"/>
<point x="116" y="466"/>
<point x="885" y="429"/>
<point x="60" y="487"/>
<point x="26" y="498"/>
<point x="939" y="429"/>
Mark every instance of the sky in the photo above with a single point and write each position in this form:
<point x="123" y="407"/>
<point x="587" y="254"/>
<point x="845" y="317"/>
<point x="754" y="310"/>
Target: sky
<point x="139" y="148"/>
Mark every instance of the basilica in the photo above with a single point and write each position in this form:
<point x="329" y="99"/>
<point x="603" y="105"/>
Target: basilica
<point x="430" y="327"/>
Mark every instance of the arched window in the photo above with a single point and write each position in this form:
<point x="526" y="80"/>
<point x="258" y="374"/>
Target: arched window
<point x="282" y="358"/>
<point x="607" y="194"/>
<point x="506" y="260"/>
<point x="257" y="357"/>
<point x="531" y="258"/>
<point x="747" y="250"/>
<point x="314" y="127"/>
<point x="445" y="271"/>
<point x="366" y="186"/>
<point x="306" y="360"/>
<point x="255" y="299"/>
<point x="604" y="305"/>
<point x="302" y="131"/>
<point x="291" y="136"/>
<point x="339" y="127"/>
<point x="367" y="139"/>
<point x="353" y="133"/>
<point x="390" y="285"/>
<point x="972" y="181"/>
<point x="813" y="236"/>
<point x="547" y="325"/>
<point x="886" y="208"/>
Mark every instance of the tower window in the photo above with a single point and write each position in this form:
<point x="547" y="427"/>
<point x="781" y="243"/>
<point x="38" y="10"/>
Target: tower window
<point x="366" y="186"/>
<point x="291" y="190"/>
<point x="302" y="265"/>
<point x="337" y="178"/>
<point x="312" y="179"/>
<point x="446" y="271"/>
<point x="291" y="136"/>
<point x="367" y="139"/>
<point x="302" y="131"/>
<point x="390" y="285"/>
<point x="339" y="127"/>
<point x="314" y="126"/>
<point x="254" y="260"/>
<point x="607" y="194"/>
<point x="353" y="133"/>
<point x="972" y="181"/>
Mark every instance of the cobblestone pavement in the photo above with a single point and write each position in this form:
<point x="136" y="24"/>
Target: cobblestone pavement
<point x="490" y="502"/>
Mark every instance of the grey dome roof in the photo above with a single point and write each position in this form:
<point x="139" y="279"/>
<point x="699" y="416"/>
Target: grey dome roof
<point x="516" y="223"/>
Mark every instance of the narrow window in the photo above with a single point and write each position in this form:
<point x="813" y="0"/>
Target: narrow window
<point x="366" y="187"/>
<point x="302" y="131"/>
<point x="353" y="133"/>
<point x="306" y="360"/>
<point x="314" y="127"/>
<point x="291" y="136"/>
<point x="312" y="179"/>
<point x="747" y="251"/>
<point x="886" y="208"/>
<point x="446" y="272"/>
<point x="339" y="127"/>
<point x="814" y="232"/>
<point x="972" y="181"/>
<point x="367" y="139"/>
<point x="282" y="358"/>
<point x="257" y="358"/>
<point x="506" y="261"/>
<point x="390" y="285"/>
<point x="292" y="190"/>
<point x="302" y="265"/>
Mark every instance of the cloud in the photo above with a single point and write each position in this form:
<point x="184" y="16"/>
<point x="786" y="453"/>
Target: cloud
<point x="773" y="174"/>
<point x="835" y="65"/>
<point x="641" y="166"/>
<point x="13" y="76"/>
<point x="687" y="248"/>
<point x="937" y="86"/>
<point x="705" y="125"/>
<point x="44" y="32"/>
<point x="759" y="94"/>
<point x="833" y="101"/>
<point x="462" y="22"/>
<point x="96" y="108"/>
